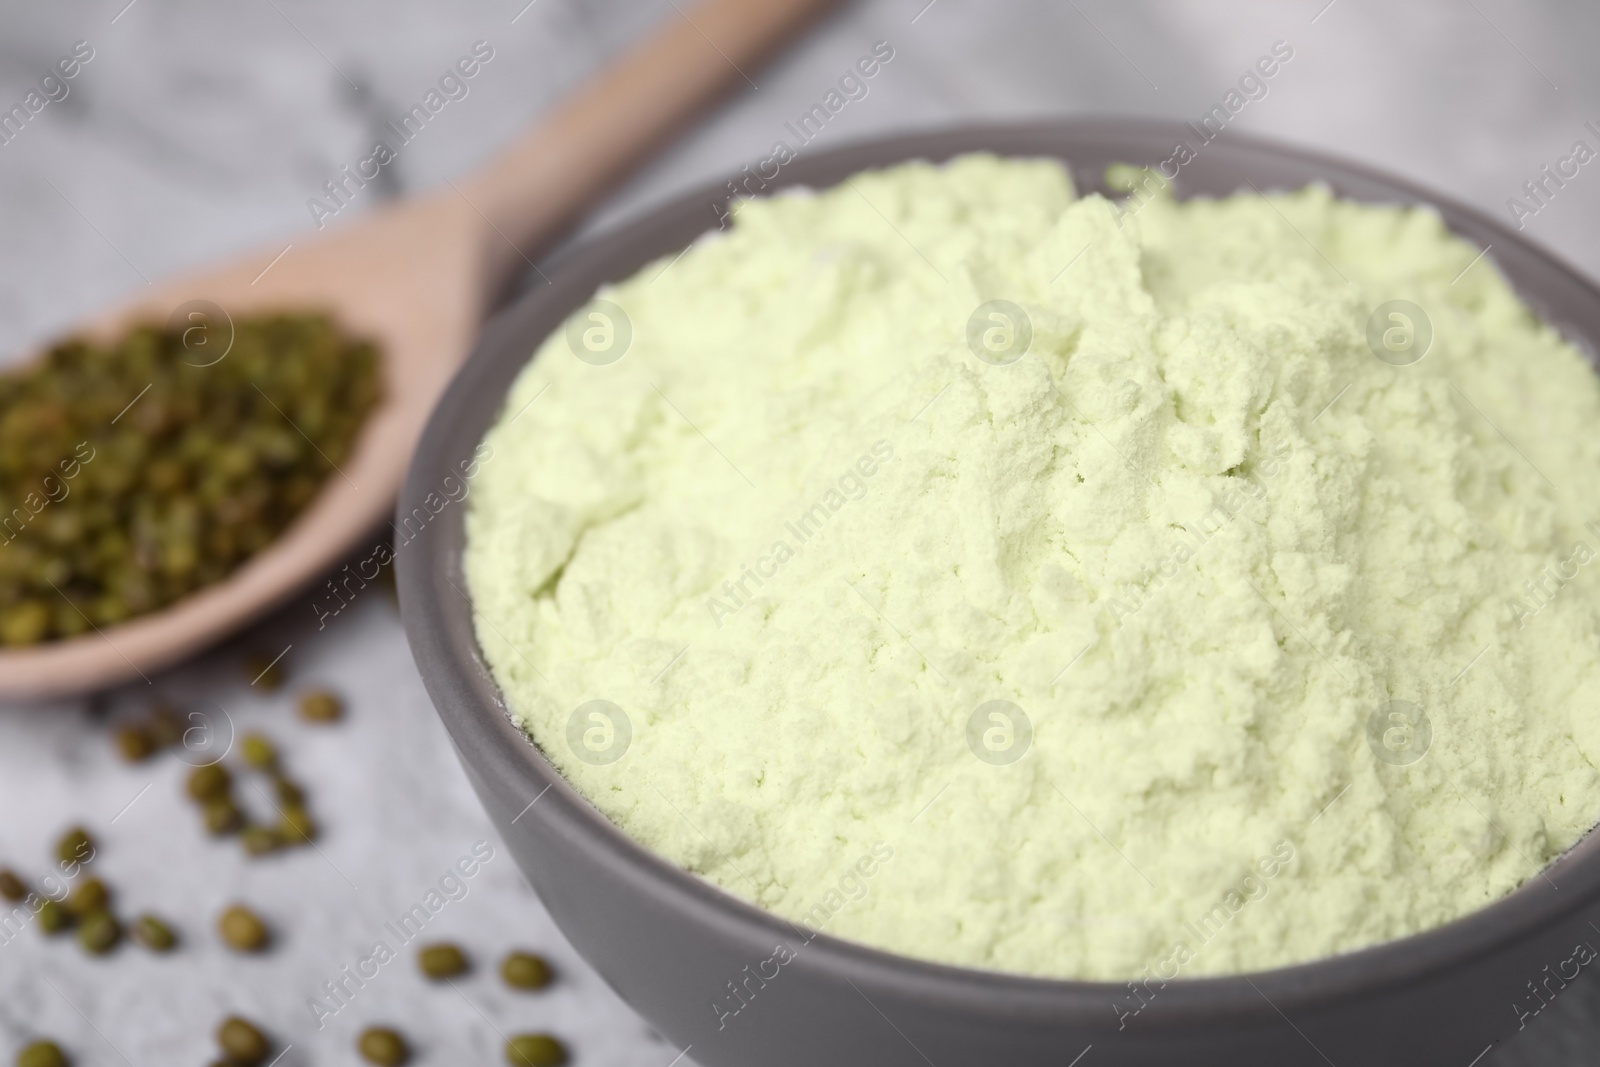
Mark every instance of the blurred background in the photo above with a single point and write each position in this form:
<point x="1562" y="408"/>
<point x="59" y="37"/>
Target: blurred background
<point x="200" y="129"/>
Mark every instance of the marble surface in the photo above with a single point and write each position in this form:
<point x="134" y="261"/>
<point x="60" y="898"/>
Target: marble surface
<point x="201" y="128"/>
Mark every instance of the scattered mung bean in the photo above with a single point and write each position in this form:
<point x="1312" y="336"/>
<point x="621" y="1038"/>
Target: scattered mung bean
<point x="88" y="896"/>
<point x="535" y="1050"/>
<point x="75" y="846"/>
<point x="99" y="932"/>
<point x="297" y="827"/>
<point x="135" y="743"/>
<point x="154" y="934"/>
<point x="209" y="782"/>
<point x="260" y="840"/>
<point x="320" y="705"/>
<point x="53" y="918"/>
<point x="264" y="671"/>
<point x="442" y="961"/>
<point x="290" y="795"/>
<point x="524" y="970"/>
<point x="42" y="1054"/>
<point x="223" y="816"/>
<point x="167" y="727"/>
<point x="381" y="1045"/>
<point x="242" y="1042"/>
<point x="259" y="752"/>
<point x="243" y="930"/>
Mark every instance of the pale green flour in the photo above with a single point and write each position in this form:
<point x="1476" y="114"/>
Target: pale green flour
<point x="1306" y="642"/>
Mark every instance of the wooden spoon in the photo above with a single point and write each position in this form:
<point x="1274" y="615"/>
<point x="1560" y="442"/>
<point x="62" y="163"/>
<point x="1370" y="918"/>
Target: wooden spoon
<point x="417" y="277"/>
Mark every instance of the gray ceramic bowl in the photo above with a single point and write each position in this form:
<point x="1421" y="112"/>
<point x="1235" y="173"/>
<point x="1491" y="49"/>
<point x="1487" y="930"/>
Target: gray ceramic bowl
<point x="669" y="943"/>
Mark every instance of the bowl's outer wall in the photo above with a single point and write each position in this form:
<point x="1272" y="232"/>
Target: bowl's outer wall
<point x="674" y="946"/>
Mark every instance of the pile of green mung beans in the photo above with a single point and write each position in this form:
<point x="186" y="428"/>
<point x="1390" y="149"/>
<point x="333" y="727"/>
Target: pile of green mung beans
<point x="134" y="473"/>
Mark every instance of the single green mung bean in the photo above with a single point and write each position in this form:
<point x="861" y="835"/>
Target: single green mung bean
<point x="260" y="840"/>
<point x="222" y="816"/>
<point x="53" y="918"/>
<point x="75" y="846"/>
<point x="242" y="1042"/>
<point x="42" y="1054"/>
<point x="297" y="827"/>
<point x="135" y="743"/>
<point x="154" y="934"/>
<point x="524" y="970"/>
<point x="88" y="896"/>
<point x="535" y="1050"/>
<point x="243" y="930"/>
<point x="166" y="727"/>
<point x="442" y="961"/>
<point x="290" y="795"/>
<point x="320" y="705"/>
<point x="265" y="672"/>
<point x="209" y="781"/>
<point x="381" y="1045"/>
<point x="259" y="752"/>
<point x="99" y="932"/>
<point x="12" y="887"/>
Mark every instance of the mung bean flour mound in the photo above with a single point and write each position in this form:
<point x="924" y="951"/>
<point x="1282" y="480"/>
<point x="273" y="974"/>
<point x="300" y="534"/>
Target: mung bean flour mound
<point x="1006" y="578"/>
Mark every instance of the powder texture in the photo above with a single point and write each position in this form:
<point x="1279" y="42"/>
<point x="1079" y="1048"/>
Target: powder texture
<point x="1305" y="641"/>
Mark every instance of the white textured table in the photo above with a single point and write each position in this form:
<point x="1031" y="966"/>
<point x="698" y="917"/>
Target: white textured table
<point x="200" y="128"/>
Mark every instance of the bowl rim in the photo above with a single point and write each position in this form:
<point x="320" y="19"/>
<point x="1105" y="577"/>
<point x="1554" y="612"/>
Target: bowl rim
<point x="440" y="627"/>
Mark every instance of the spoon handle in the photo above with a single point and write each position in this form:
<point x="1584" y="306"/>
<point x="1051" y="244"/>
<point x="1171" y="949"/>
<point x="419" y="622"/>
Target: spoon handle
<point x="596" y="135"/>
